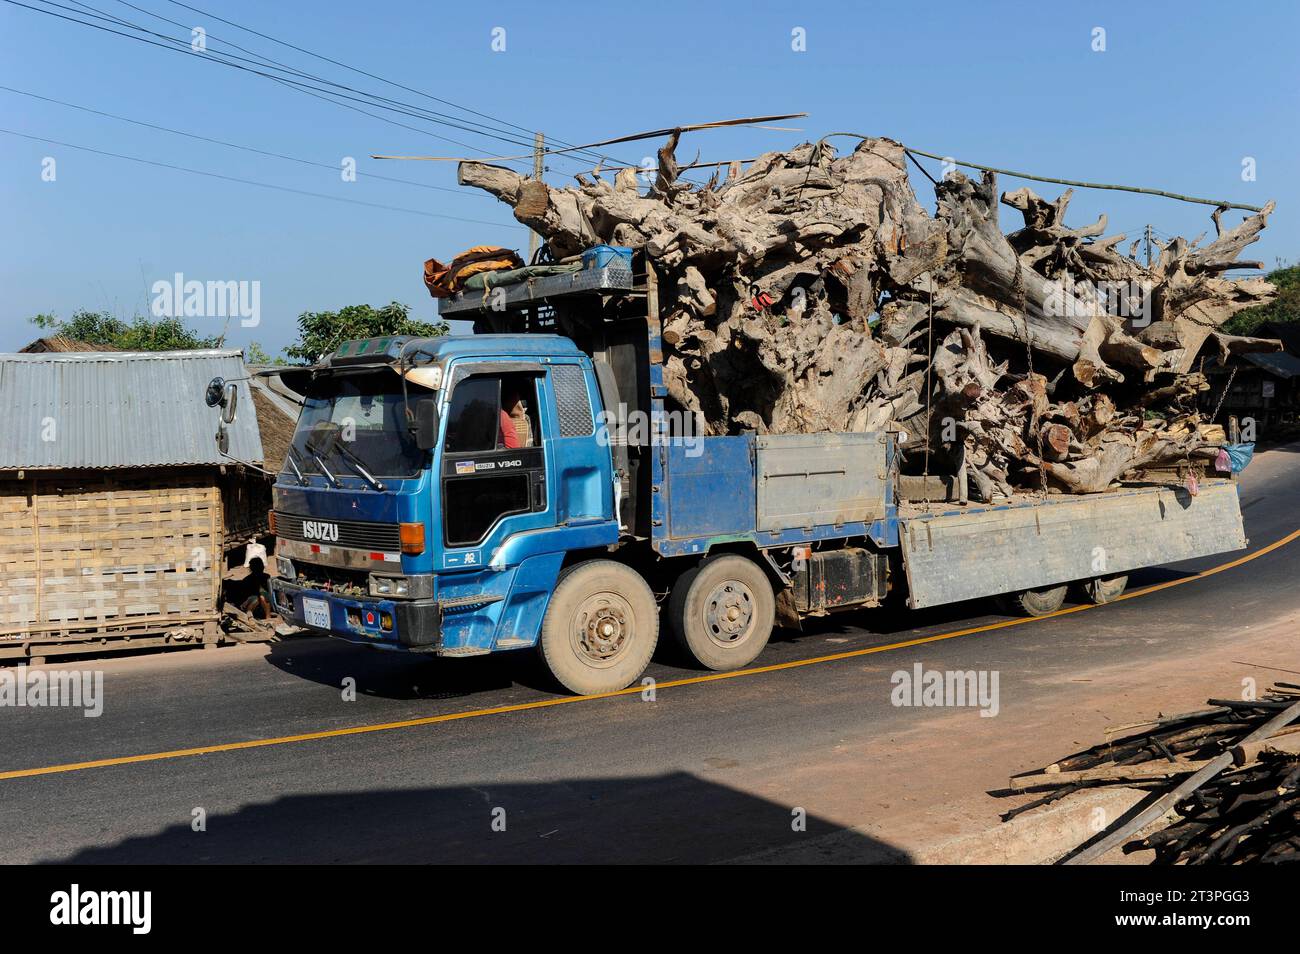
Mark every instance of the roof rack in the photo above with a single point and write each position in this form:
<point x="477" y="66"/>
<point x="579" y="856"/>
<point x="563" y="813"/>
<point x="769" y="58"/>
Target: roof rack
<point x="612" y="278"/>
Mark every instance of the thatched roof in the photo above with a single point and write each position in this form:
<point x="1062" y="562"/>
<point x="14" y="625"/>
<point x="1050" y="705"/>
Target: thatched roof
<point x="58" y="344"/>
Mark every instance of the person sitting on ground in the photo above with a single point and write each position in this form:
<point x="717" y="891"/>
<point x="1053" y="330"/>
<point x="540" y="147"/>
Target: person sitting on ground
<point x="257" y="588"/>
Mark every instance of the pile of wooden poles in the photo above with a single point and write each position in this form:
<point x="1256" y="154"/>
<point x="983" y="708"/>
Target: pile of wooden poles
<point x="1229" y="776"/>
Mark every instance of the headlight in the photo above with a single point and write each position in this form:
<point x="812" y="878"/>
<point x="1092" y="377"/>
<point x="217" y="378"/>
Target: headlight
<point x="284" y="568"/>
<point x="389" y="586"/>
<point x="418" y="587"/>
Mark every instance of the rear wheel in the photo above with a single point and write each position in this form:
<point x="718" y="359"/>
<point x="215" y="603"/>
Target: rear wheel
<point x="1106" y="589"/>
<point x="722" y="611"/>
<point x="1042" y="602"/>
<point x="600" y="628"/>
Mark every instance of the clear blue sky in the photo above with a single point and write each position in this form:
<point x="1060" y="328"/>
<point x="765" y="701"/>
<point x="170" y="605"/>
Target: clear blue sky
<point x="1182" y="93"/>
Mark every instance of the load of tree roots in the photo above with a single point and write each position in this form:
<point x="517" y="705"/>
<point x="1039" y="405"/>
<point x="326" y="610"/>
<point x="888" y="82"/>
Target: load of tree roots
<point x="810" y="292"/>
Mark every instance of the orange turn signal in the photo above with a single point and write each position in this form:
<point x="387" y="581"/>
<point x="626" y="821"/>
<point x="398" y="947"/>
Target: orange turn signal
<point x="270" y="521"/>
<point x="412" y="538"/>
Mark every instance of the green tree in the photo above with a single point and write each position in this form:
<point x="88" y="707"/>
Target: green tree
<point x="1286" y="307"/>
<point x="140" y="334"/>
<point x="320" y="332"/>
<point x="256" y="354"/>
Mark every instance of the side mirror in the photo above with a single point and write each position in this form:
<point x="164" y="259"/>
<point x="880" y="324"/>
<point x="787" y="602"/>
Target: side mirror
<point x="215" y="392"/>
<point x="426" y="425"/>
<point x="223" y="439"/>
<point x="224" y="394"/>
<point x="229" y="403"/>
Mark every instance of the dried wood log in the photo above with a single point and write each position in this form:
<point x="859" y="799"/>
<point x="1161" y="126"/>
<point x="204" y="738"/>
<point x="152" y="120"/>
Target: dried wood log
<point x="1106" y="773"/>
<point x="1233" y="789"/>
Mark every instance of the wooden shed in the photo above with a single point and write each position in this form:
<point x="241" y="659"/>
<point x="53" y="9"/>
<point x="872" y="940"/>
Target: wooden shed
<point x="114" y="499"/>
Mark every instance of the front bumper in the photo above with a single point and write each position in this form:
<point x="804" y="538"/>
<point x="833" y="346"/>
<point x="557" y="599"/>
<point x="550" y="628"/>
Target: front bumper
<point x="417" y="624"/>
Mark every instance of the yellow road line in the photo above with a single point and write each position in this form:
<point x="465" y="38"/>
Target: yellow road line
<point x="632" y="690"/>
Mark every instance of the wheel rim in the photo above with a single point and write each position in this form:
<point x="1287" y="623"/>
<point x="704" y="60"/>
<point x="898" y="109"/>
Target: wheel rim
<point x="729" y="613"/>
<point x="602" y="629"/>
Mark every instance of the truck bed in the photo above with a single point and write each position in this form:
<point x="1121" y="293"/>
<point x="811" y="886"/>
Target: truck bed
<point x="958" y="553"/>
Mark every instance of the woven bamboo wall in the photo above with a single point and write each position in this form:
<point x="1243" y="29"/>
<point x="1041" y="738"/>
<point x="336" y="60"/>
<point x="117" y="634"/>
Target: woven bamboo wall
<point x="84" y="552"/>
<point x="246" y="496"/>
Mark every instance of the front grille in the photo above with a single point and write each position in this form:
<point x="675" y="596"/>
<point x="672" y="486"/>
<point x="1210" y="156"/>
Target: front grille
<point x="361" y="534"/>
<point x="330" y="579"/>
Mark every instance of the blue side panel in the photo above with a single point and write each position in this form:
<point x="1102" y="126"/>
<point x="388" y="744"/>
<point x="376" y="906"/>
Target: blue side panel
<point x="473" y="626"/>
<point x="583" y="473"/>
<point x="711" y="487"/>
<point x="524" y="546"/>
<point x="708" y="498"/>
<point x="523" y="575"/>
<point x="521" y="617"/>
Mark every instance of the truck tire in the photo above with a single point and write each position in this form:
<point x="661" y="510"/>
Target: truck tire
<point x="1042" y="602"/>
<point x="722" y="611"/>
<point x="600" y="628"/>
<point x="1106" y="589"/>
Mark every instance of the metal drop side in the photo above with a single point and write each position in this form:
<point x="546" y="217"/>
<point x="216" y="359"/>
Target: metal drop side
<point x="964" y="554"/>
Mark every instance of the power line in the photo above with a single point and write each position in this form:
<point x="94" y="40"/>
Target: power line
<point x="235" y="145"/>
<point x="325" y="97"/>
<point x="252" y="182"/>
<point x="433" y="116"/>
<point x="227" y="59"/>
<point x="332" y="96"/>
<point x="267" y="63"/>
<point x="374" y="76"/>
<point x="293" y="69"/>
<point x="354" y="69"/>
<point x="529" y="134"/>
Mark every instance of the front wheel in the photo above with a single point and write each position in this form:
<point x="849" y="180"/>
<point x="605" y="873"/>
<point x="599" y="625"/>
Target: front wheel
<point x="722" y="611"/>
<point x="600" y="628"/>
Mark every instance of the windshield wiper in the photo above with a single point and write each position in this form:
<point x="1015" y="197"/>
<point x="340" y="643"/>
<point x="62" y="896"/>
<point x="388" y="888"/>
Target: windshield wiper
<point x="347" y="454"/>
<point x="334" y="481"/>
<point x="292" y="458"/>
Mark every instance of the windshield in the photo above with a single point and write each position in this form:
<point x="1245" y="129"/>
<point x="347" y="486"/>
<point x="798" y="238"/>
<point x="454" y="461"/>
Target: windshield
<point x="357" y="419"/>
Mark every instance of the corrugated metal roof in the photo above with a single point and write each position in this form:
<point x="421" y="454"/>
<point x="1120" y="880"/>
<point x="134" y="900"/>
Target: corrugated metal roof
<point x="119" y="409"/>
<point x="1281" y="363"/>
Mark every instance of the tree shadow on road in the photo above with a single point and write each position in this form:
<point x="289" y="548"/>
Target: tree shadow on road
<point x="670" y="818"/>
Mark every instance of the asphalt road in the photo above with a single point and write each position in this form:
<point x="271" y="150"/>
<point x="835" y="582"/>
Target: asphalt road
<point x="613" y="779"/>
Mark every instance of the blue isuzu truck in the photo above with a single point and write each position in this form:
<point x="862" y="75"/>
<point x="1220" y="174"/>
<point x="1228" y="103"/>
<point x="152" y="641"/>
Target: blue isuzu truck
<point x="525" y="487"/>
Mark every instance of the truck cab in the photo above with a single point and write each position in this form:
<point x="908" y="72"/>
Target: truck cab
<point x="453" y="547"/>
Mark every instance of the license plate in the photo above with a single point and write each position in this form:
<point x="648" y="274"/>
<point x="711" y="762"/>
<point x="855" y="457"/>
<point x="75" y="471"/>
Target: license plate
<point x="316" y="613"/>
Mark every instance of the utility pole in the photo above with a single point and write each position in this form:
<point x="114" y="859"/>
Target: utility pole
<point x="1148" y="241"/>
<point x="539" y="153"/>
